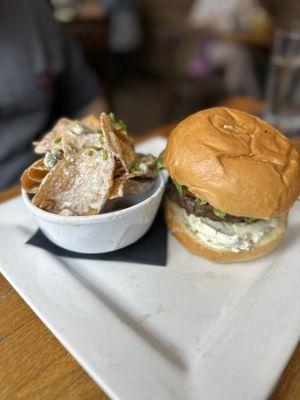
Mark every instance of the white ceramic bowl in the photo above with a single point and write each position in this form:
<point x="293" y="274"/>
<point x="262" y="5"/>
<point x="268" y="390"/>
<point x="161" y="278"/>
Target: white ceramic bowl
<point x="100" y="233"/>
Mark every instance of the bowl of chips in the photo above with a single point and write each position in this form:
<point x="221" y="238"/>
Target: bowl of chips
<point x="91" y="192"/>
<point x="103" y="232"/>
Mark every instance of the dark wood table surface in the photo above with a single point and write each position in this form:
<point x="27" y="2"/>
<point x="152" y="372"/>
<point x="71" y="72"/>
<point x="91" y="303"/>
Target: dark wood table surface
<point x="34" y="365"/>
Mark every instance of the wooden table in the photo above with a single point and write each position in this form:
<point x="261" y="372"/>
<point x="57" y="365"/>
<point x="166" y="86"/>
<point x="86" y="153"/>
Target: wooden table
<point x="34" y="365"/>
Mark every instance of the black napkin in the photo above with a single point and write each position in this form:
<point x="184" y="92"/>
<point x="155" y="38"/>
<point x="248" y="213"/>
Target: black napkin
<point x="150" y="249"/>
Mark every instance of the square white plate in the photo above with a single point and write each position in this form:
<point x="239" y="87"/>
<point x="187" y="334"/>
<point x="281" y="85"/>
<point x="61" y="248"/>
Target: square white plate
<point x="191" y="330"/>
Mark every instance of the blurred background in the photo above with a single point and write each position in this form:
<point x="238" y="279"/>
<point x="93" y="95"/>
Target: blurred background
<point x="149" y="61"/>
<point x="160" y="60"/>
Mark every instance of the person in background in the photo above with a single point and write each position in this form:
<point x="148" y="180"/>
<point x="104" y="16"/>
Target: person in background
<point x="124" y="36"/>
<point x="43" y="76"/>
<point x="235" y="59"/>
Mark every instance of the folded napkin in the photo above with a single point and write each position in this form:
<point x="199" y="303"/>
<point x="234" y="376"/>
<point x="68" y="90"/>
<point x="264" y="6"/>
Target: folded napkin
<point x="150" y="249"/>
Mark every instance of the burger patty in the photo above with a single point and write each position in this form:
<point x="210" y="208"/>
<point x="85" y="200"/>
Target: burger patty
<point x="188" y="202"/>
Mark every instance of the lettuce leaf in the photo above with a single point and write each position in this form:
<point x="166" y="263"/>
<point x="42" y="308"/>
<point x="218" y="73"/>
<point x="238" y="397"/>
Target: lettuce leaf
<point x="182" y="189"/>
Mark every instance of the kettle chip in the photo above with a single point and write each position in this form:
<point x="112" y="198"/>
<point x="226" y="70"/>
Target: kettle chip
<point x="33" y="176"/>
<point x="51" y="141"/>
<point x="79" y="183"/>
<point x="86" y="163"/>
<point x="120" y="149"/>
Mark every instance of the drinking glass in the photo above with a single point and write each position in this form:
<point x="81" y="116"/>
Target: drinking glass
<point x="283" y="87"/>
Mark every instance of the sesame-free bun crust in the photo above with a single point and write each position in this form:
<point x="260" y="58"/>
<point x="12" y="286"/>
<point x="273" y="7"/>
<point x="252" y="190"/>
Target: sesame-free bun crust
<point x="196" y="246"/>
<point x="237" y="162"/>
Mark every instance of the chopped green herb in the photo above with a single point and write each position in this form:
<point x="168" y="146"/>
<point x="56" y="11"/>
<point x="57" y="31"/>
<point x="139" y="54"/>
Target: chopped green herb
<point x="100" y="136"/>
<point x="96" y="148"/>
<point x="249" y="220"/>
<point x="182" y="189"/>
<point x="135" y="165"/>
<point x="58" y="140"/>
<point x="120" y="125"/>
<point x="160" y="162"/>
<point x="219" y="213"/>
<point x="72" y="145"/>
<point x="90" y="153"/>
<point x="105" y="155"/>
<point x="111" y="116"/>
<point x="134" y="169"/>
<point x="83" y="146"/>
<point x="200" y="202"/>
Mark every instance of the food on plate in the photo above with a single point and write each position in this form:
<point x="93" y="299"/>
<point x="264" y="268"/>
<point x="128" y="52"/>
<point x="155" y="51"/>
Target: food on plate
<point x="33" y="176"/>
<point x="78" y="185"/>
<point x="233" y="179"/>
<point x="86" y="163"/>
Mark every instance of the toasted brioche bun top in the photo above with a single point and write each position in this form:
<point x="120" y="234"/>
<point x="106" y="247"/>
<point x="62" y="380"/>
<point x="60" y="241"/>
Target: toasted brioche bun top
<point x="235" y="161"/>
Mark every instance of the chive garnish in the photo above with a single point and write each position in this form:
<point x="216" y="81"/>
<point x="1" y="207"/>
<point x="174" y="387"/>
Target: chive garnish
<point x="120" y="125"/>
<point x="96" y="148"/>
<point x="72" y="145"/>
<point x="135" y="165"/>
<point x="100" y="136"/>
<point x="105" y="155"/>
<point x="58" y="140"/>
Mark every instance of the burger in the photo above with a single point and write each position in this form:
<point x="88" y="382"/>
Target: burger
<point x="233" y="180"/>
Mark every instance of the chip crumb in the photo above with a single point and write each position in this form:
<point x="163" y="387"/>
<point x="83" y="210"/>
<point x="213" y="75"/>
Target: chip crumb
<point x="67" y="212"/>
<point x="77" y="129"/>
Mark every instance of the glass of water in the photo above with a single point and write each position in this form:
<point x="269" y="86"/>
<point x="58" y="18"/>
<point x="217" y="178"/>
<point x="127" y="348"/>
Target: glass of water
<point x="283" y="88"/>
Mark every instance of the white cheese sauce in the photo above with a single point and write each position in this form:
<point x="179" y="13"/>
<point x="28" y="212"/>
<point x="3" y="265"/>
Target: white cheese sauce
<point x="228" y="236"/>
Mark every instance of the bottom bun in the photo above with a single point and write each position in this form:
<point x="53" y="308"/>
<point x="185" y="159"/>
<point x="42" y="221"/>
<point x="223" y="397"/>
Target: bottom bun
<point x="185" y="235"/>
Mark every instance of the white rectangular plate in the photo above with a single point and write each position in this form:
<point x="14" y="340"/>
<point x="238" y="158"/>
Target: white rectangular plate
<point x="191" y="330"/>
